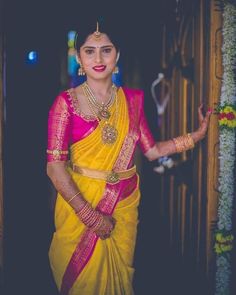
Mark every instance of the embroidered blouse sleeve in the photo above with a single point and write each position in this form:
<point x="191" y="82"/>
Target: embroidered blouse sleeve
<point x="58" y="130"/>
<point x="146" y="140"/>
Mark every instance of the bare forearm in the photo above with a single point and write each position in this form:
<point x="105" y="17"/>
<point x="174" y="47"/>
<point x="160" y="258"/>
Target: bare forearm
<point x="64" y="184"/>
<point x="165" y="148"/>
<point x="168" y="147"/>
<point x="160" y="149"/>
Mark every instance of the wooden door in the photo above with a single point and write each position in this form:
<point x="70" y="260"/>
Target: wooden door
<point x="191" y="63"/>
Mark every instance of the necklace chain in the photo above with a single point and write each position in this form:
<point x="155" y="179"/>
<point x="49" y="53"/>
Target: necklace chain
<point x="103" y="108"/>
<point x="109" y="132"/>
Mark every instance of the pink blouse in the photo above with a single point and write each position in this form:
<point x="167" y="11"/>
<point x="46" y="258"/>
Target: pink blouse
<point x="67" y="125"/>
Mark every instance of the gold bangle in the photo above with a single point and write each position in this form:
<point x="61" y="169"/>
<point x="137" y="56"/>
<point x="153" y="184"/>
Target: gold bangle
<point x="183" y="143"/>
<point x="75" y="195"/>
<point x="191" y="143"/>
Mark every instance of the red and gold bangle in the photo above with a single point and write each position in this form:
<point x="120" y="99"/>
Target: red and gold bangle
<point x="97" y="224"/>
<point x="183" y="143"/>
<point x="88" y="215"/>
<point x="91" y="218"/>
<point x="83" y="212"/>
<point x="96" y="221"/>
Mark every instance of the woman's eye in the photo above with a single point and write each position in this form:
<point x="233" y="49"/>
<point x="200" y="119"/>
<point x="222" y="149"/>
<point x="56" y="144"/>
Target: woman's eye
<point x="107" y="50"/>
<point x="89" y="51"/>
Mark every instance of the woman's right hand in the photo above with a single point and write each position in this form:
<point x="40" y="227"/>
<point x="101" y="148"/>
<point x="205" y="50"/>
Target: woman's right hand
<point x="106" y="228"/>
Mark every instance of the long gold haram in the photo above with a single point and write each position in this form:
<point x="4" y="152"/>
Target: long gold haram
<point x="103" y="110"/>
<point x="109" y="132"/>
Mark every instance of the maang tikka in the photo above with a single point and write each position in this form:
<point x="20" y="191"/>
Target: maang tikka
<point x="97" y="34"/>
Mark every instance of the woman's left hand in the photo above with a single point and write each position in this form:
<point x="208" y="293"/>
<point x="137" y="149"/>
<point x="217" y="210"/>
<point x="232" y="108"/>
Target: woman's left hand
<point x="203" y="123"/>
<point x="107" y="227"/>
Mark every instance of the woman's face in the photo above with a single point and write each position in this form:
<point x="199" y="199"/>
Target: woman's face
<point x="98" y="57"/>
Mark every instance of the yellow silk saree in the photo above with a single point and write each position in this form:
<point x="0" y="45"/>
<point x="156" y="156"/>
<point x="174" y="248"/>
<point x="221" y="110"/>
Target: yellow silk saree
<point x="81" y="262"/>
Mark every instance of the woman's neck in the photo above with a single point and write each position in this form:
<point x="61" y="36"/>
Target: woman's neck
<point x="100" y="88"/>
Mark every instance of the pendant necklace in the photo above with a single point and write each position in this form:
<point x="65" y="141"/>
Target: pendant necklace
<point x="103" y="109"/>
<point x="109" y="133"/>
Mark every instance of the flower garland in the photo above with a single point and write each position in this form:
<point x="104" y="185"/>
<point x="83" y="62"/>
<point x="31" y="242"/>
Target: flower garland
<point x="227" y="116"/>
<point x="227" y="122"/>
<point x="224" y="242"/>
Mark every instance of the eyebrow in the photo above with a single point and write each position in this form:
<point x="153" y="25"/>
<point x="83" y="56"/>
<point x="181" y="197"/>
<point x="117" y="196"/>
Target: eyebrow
<point x="93" y="47"/>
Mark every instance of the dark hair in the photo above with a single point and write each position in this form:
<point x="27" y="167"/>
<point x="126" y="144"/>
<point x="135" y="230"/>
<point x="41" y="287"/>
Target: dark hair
<point x="107" y="26"/>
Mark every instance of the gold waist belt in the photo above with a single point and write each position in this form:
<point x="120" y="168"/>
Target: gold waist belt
<point x="111" y="177"/>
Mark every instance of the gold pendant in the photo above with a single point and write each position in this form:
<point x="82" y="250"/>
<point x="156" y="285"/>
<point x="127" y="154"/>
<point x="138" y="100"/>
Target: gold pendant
<point x="109" y="134"/>
<point x="104" y="113"/>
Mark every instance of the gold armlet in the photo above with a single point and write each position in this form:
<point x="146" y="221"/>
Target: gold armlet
<point x="57" y="153"/>
<point x="183" y="143"/>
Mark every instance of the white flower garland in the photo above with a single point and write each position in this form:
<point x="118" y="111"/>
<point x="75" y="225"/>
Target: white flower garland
<point x="224" y="237"/>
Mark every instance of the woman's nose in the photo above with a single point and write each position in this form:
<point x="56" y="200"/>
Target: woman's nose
<point x="98" y="56"/>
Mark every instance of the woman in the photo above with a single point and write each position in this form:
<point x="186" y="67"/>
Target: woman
<point x="97" y="127"/>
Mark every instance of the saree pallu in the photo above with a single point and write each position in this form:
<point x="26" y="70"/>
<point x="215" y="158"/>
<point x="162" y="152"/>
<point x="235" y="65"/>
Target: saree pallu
<point x="81" y="262"/>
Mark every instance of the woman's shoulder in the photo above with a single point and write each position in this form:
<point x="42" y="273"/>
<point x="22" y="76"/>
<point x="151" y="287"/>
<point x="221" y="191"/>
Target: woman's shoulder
<point x="133" y="92"/>
<point x="71" y="99"/>
<point x="61" y="101"/>
<point x="61" y="96"/>
<point x="69" y="96"/>
<point x="64" y="94"/>
<point x="134" y="96"/>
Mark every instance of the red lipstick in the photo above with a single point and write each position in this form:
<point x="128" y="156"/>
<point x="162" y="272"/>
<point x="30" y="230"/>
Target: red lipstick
<point x="99" y="68"/>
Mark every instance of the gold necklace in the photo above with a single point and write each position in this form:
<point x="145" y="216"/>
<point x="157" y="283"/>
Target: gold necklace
<point x="109" y="133"/>
<point x="103" y="109"/>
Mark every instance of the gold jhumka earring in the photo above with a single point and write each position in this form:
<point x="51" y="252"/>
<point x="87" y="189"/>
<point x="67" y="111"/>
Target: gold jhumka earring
<point x="116" y="70"/>
<point x="97" y="34"/>
<point x="81" y="71"/>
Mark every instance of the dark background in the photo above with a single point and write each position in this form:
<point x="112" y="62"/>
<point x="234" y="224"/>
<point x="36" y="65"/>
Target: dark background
<point x="30" y="90"/>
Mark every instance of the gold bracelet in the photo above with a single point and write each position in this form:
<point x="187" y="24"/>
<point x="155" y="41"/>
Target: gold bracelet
<point x="75" y="195"/>
<point x="183" y="143"/>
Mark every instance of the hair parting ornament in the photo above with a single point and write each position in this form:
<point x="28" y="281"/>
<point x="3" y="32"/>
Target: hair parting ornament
<point x="96" y="28"/>
<point x="97" y="34"/>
